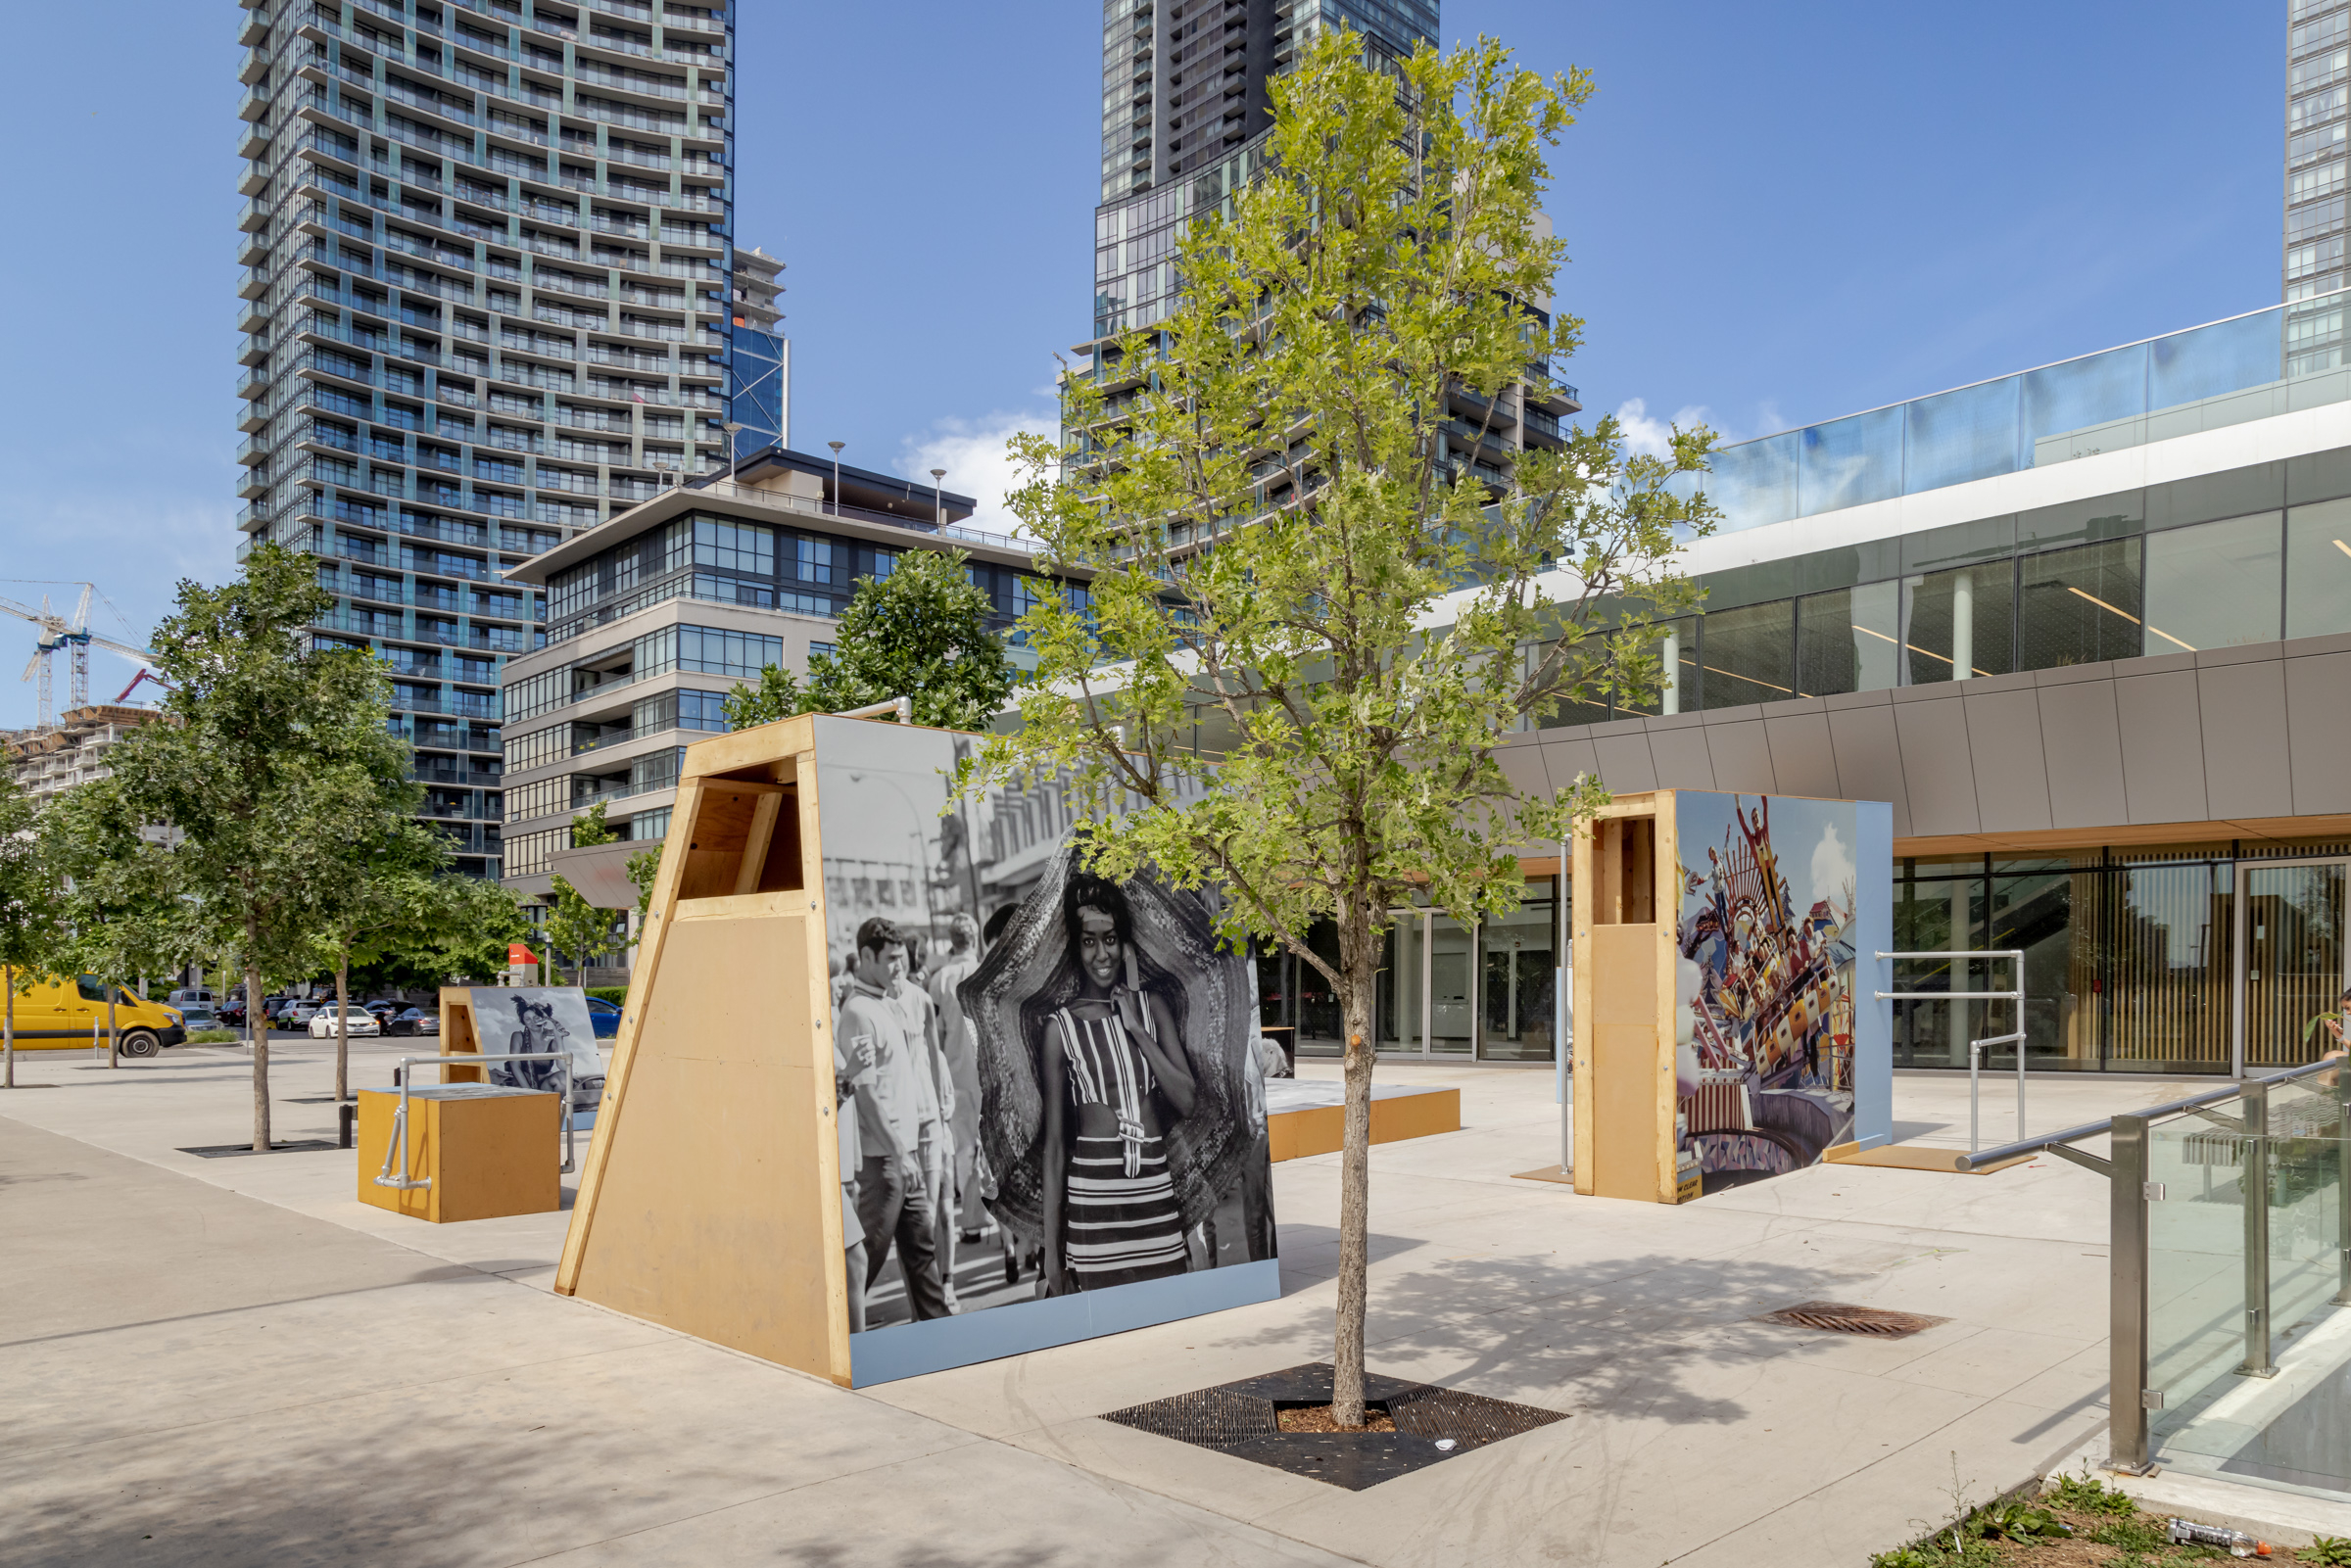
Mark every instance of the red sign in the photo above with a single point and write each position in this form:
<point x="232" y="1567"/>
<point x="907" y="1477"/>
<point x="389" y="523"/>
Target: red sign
<point x="519" y="954"/>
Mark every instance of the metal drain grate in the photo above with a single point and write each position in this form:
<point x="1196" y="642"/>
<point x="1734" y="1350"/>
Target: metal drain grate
<point x="230" y="1151"/>
<point x="1239" y="1419"/>
<point x="1836" y="1317"/>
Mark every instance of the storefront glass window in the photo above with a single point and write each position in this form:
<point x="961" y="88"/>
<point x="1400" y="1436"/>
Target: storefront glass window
<point x="2214" y="585"/>
<point x="2318" y="569"/>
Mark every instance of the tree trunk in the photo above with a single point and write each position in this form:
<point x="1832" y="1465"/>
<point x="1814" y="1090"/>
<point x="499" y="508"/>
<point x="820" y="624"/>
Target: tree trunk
<point x="1359" y="959"/>
<point x="8" y="1024"/>
<point x="343" y="1028"/>
<point x="259" y="1032"/>
<point x="114" y="1036"/>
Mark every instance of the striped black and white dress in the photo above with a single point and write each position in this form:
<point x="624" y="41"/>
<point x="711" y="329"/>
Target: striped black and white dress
<point x="1122" y="1219"/>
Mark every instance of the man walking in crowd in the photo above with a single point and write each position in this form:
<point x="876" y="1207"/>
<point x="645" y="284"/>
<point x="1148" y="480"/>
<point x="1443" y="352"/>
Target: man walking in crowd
<point x="901" y="1133"/>
<point x="962" y="1051"/>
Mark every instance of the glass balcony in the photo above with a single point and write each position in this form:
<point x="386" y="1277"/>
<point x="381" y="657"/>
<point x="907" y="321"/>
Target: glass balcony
<point x="2270" y="361"/>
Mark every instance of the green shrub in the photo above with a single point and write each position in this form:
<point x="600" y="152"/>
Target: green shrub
<point x="617" y="995"/>
<point x="2333" y="1550"/>
<point x="1906" y="1558"/>
<point x="2014" y="1520"/>
<point x="2085" y="1494"/>
<point x="2137" y="1534"/>
<point x="215" y="1037"/>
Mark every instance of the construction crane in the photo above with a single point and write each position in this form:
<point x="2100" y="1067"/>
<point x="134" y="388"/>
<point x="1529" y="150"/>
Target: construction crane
<point x="73" y="637"/>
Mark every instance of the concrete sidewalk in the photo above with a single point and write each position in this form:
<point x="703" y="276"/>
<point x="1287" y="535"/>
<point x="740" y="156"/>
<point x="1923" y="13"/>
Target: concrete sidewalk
<point x="233" y="1361"/>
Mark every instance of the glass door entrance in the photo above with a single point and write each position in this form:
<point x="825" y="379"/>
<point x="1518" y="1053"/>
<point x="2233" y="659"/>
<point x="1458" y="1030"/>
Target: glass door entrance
<point x="2290" y="967"/>
<point x="1400" y="1003"/>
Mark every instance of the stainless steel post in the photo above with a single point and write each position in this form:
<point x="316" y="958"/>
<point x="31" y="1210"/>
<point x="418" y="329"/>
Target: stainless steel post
<point x="1975" y="1108"/>
<point x="2253" y="1189"/>
<point x="2343" y="1190"/>
<point x="2128" y="1393"/>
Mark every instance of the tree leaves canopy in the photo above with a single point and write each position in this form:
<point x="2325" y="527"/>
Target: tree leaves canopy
<point x="920" y="631"/>
<point x="1288" y="563"/>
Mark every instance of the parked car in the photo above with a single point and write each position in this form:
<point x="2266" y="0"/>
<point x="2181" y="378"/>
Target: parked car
<point x="413" y="1021"/>
<point x="189" y="997"/>
<point x="604" y="1017"/>
<point x="357" y="1020"/>
<point x="298" y="1013"/>
<point x="231" y="1013"/>
<point x="383" y="1008"/>
<point x="198" y="1016"/>
<point x="69" y="1014"/>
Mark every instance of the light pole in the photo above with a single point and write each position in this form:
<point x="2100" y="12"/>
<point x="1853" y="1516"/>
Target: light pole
<point x="836" y="446"/>
<point x="938" y="500"/>
<point x="733" y="432"/>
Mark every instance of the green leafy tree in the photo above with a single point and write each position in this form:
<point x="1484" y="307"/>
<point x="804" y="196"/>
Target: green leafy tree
<point x="30" y="932"/>
<point x="119" y="921"/>
<point x="920" y="631"/>
<point x="276" y="757"/>
<point x="643" y="867"/>
<point x="589" y="827"/>
<point x="1289" y="562"/>
<point x="576" y="926"/>
<point x="390" y="904"/>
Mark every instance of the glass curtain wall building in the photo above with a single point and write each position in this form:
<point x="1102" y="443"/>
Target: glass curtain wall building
<point x="759" y="371"/>
<point x="488" y="254"/>
<point x="2318" y="144"/>
<point x="1184" y="117"/>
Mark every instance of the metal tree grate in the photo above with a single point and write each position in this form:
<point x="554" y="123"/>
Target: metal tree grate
<point x="1839" y="1317"/>
<point x="1241" y="1420"/>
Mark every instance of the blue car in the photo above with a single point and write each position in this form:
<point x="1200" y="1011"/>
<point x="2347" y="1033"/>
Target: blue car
<point x="604" y="1017"/>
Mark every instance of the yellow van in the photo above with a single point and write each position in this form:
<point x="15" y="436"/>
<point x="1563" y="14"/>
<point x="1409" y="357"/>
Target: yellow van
<point x="63" y="1014"/>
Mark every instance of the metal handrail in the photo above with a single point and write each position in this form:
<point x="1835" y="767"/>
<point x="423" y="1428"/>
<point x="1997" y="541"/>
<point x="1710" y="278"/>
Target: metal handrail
<point x="2128" y="1192"/>
<point x="403" y="1182"/>
<point x="1975" y="1048"/>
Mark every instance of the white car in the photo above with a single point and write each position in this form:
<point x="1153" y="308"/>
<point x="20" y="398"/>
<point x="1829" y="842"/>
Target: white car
<point x="357" y="1019"/>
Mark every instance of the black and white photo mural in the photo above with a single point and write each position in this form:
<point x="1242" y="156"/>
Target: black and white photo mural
<point x="1049" y="1117"/>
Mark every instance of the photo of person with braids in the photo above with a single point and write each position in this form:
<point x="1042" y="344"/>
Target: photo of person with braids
<point x="1115" y="1080"/>
<point x="1088" y="1127"/>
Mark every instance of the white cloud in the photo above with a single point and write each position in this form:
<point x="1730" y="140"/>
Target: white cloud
<point x="972" y="451"/>
<point x="1831" y="868"/>
<point x="1653" y="437"/>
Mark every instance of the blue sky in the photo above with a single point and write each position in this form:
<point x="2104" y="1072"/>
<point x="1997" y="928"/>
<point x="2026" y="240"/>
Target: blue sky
<point x="1774" y="217"/>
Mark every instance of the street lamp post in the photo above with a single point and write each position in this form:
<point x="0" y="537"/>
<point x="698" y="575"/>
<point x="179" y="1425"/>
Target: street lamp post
<point x="937" y="499"/>
<point x="836" y="446"/>
<point x="733" y="432"/>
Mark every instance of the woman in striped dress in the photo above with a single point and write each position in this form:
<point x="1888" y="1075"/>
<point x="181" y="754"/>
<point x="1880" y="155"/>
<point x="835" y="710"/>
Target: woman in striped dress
<point x="1115" y="1079"/>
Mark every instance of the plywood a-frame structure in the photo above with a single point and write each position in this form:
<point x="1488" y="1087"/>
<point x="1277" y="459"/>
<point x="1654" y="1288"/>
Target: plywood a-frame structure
<point x="710" y="1199"/>
<point x="1636" y="997"/>
<point x="1626" y="887"/>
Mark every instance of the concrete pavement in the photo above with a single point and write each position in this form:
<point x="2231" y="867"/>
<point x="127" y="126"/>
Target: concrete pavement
<point x="233" y="1361"/>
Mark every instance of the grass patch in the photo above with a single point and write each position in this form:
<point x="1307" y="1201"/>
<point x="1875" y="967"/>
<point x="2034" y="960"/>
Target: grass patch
<point x="2079" y="1522"/>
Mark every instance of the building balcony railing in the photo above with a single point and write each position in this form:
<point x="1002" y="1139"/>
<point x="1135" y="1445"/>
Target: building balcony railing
<point x="776" y="500"/>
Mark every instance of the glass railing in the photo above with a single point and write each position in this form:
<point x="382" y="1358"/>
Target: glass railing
<point x="2249" y="1284"/>
<point x="2270" y="361"/>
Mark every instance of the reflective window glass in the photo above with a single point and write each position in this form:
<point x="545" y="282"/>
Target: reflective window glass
<point x="2318" y="569"/>
<point x="1847" y="640"/>
<point x="1753" y="482"/>
<point x="1957" y="436"/>
<point x="1847" y="462"/>
<point x="2078" y="606"/>
<point x="1956" y="624"/>
<point x="2209" y="360"/>
<point x="1746" y="654"/>
<point x="1676" y="651"/>
<point x="2063" y="398"/>
<point x="2214" y="585"/>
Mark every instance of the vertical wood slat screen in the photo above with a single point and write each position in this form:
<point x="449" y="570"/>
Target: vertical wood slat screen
<point x="2293" y="960"/>
<point x="2167" y="930"/>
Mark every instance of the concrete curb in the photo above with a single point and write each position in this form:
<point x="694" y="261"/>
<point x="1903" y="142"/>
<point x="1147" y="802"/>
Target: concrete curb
<point x="2283" y="1518"/>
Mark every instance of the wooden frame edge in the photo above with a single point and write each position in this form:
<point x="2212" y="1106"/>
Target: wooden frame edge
<point x="661" y="912"/>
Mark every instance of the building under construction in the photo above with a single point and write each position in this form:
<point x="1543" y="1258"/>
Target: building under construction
<point x="48" y="761"/>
